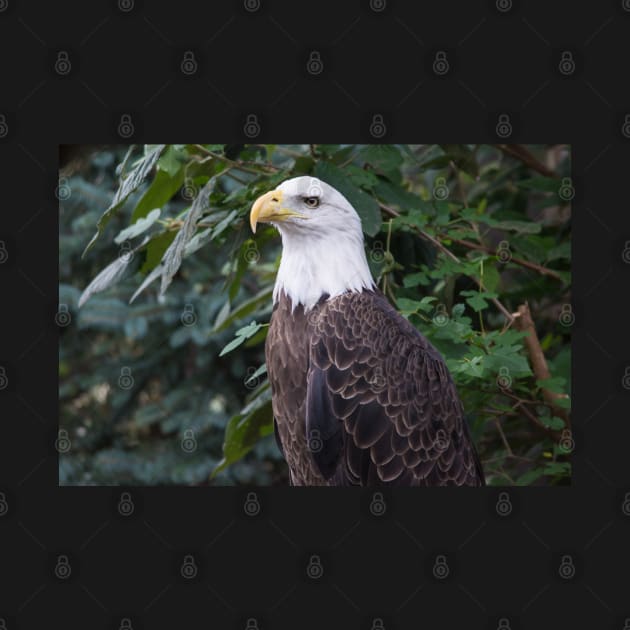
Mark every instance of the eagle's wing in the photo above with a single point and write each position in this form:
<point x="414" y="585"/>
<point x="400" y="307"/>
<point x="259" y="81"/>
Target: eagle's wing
<point x="381" y="406"/>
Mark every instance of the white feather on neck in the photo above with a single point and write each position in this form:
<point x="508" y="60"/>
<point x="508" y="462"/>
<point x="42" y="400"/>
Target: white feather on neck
<point x="313" y="264"/>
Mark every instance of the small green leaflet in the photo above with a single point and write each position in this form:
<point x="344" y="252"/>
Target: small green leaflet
<point x="140" y="226"/>
<point x="242" y="335"/>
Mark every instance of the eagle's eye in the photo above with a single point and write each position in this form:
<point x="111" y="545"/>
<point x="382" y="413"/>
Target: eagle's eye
<point x="311" y="202"/>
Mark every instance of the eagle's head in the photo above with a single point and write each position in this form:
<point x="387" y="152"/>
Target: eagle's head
<point x="322" y="240"/>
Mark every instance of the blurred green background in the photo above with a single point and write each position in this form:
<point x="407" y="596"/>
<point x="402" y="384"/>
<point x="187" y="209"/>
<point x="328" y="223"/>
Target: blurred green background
<point x="171" y="389"/>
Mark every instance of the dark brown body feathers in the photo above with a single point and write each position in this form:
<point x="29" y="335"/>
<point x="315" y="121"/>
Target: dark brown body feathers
<point x="360" y="397"/>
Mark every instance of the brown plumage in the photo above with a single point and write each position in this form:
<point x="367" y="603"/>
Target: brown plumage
<point x="360" y="397"/>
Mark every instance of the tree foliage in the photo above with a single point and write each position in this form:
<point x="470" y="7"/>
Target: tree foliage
<point x="162" y="376"/>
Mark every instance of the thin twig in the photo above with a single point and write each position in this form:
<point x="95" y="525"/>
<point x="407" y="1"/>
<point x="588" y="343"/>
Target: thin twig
<point x="239" y="164"/>
<point x="448" y="253"/>
<point x="519" y="152"/>
<point x="518" y="261"/>
<point x="525" y="323"/>
<point x="508" y="448"/>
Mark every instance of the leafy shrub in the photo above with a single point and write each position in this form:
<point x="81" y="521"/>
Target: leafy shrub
<point x="162" y="376"/>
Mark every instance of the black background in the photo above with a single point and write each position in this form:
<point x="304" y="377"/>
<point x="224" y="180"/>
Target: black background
<point x="375" y="62"/>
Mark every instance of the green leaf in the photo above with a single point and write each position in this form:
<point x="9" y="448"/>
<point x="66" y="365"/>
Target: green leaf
<point x="395" y="195"/>
<point x="139" y="227"/>
<point x="384" y="157"/>
<point x="477" y="299"/>
<point x="245" y="429"/>
<point x="463" y="158"/>
<point x="242" y="334"/>
<point x="555" y="384"/>
<point x="160" y="192"/>
<point x="263" y="297"/>
<point x="365" y="205"/>
<point x="530" y="476"/>
<point x="554" y="423"/>
<point x="543" y="184"/>
<point x="175" y="253"/>
<point x="563" y="250"/>
<point x="505" y="357"/>
<point x="155" y="250"/>
<point x="360" y="177"/>
<point x="172" y="159"/>
<point x="259" y="372"/>
<point x="130" y="183"/>
<point x="491" y="276"/>
<point x="409" y="307"/>
<point x="109" y="276"/>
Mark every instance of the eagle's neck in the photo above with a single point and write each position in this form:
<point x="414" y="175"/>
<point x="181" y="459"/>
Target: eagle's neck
<point x="313" y="265"/>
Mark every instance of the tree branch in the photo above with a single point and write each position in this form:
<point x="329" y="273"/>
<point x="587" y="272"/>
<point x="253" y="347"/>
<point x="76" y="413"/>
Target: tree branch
<point x="518" y="261"/>
<point x="519" y="152"/>
<point x="524" y="322"/>
<point x="449" y="254"/>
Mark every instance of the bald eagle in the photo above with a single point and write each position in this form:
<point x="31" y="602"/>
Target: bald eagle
<point x="359" y="396"/>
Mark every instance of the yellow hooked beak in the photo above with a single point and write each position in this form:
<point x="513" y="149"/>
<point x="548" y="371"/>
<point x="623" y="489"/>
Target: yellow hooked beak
<point x="267" y="208"/>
